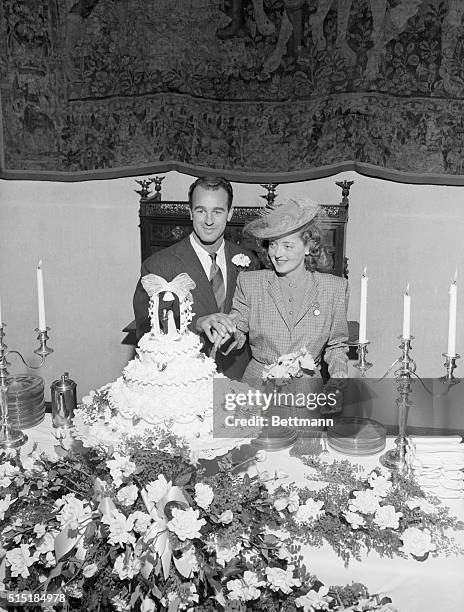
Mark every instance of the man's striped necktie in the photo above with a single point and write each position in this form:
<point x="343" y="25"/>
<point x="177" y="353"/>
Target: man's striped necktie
<point x="217" y="282"/>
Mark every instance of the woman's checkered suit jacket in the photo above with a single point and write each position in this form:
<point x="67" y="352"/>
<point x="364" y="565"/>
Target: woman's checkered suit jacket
<point x="320" y="324"/>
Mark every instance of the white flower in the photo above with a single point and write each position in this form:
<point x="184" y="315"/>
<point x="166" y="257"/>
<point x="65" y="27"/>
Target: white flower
<point x="422" y="504"/>
<point x="280" y="534"/>
<point x="5" y="503"/>
<point x="120" y="467"/>
<point x="354" y="519"/>
<point x="142" y="520"/>
<point x="120" y="527"/>
<point x="120" y="604"/>
<point x="283" y="553"/>
<point x="126" y="569"/>
<point x="46" y="544"/>
<point x="157" y="489"/>
<point x="188" y="557"/>
<point x="225" y="554"/>
<point x="127" y="495"/>
<point x="314" y="600"/>
<point x="40" y="529"/>
<point x="226" y="517"/>
<point x="380" y="484"/>
<point x="90" y="570"/>
<point x="366" y="502"/>
<point x="241" y="260"/>
<point x="186" y="524"/>
<point x="386" y="517"/>
<point x="20" y="561"/>
<point x="309" y="511"/>
<point x="28" y="462"/>
<point x="417" y="542"/>
<point x="203" y="495"/>
<point x="280" y="579"/>
<point x="148" y="605"/>
<point x="74" y="512"/>
<point x="246" y="588"/>
<point x="291" y="502"/>
<point x="7" y="473"/>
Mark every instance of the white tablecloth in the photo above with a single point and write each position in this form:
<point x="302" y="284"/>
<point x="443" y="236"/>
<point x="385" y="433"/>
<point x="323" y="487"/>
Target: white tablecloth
<point x="435" y="585"/>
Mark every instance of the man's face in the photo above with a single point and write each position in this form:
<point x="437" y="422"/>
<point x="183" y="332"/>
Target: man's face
<point x="210" y="214"/>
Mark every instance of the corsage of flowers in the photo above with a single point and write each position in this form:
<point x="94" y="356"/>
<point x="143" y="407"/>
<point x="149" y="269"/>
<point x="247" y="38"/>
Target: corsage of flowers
<point x="241" y="260"/>
<point x="291" y="365"/>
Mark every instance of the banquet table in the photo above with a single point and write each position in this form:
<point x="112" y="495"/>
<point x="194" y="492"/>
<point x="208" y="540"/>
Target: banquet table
<point x="436" y="584"/>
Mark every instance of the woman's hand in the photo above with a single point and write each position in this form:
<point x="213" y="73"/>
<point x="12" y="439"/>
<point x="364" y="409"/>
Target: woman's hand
<point x="217" y="327"/>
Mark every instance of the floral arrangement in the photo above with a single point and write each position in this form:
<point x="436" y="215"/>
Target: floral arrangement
<point x="241" y="260"/>
<point x="144" y="529"/>
<point x="291" y="365"/>
<point x="356" y="512"/>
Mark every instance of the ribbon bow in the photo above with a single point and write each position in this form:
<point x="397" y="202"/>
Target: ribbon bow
<point x="180" y="286"/>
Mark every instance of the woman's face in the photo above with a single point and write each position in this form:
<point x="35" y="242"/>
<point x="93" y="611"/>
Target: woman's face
<point x="287" y="254"/>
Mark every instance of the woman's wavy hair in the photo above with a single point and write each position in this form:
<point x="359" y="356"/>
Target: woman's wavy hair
<point x="311" y="236"/>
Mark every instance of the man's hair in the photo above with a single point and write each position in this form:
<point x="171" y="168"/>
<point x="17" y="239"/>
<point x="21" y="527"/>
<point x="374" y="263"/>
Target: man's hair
<point x="213" y="184"/>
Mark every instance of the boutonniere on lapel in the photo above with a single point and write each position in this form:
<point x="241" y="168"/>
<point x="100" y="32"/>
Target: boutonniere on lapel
<point x="241" y="260"/>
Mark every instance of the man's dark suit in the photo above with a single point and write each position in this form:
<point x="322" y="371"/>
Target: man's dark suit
<point x="181" y="257"/>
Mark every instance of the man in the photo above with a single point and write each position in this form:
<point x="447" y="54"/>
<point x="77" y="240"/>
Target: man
<point x="207" y="258"/>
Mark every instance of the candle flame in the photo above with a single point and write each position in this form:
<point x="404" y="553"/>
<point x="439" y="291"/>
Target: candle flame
<point x="365" y="271"/>
<point x="39" y="265"/>
<point x="407" y="289"/>
<point x="455" y="276"/>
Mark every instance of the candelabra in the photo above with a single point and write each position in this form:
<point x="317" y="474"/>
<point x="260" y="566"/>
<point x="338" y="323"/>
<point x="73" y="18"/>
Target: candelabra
<point x="362" y="364"/>
<point x="450" y="365"/>
<point x="396" y="458"/>
<point x="11" y="436"/>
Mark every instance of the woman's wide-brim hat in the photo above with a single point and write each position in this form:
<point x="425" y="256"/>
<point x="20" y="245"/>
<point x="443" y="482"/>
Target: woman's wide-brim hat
<point x="280" y="220"/>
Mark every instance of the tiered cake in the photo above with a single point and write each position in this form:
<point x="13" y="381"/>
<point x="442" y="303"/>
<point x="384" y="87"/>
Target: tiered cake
<point x="169" y="384"/>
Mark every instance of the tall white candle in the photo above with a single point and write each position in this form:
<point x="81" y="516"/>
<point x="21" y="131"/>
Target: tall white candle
<point x="363" y="308"/>
<point x="453" y="294"/>
<point x="40" y="298"/>
<point x="407" y="314"/>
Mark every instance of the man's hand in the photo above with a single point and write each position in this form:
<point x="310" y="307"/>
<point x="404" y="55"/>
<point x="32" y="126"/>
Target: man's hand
<point x="218" y="327"/>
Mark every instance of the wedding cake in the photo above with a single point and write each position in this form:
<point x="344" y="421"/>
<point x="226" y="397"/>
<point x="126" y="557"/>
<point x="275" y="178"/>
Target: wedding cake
<point x="168" y="385"/>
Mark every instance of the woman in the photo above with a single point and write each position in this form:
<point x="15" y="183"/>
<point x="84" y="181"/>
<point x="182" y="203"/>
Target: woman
<point x="291" y="306"/>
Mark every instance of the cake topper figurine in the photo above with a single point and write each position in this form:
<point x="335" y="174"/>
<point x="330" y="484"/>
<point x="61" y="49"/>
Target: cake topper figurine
<point x="177" y="297"/>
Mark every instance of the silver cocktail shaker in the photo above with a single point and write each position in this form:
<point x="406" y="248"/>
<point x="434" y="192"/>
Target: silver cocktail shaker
<point x="64" y="401"/>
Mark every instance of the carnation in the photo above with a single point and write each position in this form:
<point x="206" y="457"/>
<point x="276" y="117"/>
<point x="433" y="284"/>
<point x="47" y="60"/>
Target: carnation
<point x="354" y="519"/>
<point x="386" y="517"/>
<point x="309" y="511"/>
<point x="417" y="542"/>
<point x="120" y="527"/>
<point x="5" y="503"/>
<point x="186" y="524"/>
<point x="128" y="495"/>
<point x="380" y="484"/>
<point x="314" y="600"/>
<point x="203" y="495"/>
<point x="120" y="467"/>
<point x="20" y="561"/>
<point x="74" y="512"/>
<point x="282" y="580"/>
<point x="157" y="489"/>
<point x="126" y="568"/>
<point x="366" y="502"/>
<point x="245" y="588"/>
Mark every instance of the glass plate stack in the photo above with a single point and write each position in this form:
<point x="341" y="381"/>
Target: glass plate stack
<point x="357" y="436"/>
<point x="26" y="404"/>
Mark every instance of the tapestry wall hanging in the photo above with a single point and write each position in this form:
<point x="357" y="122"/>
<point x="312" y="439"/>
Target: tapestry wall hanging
<point x="255" y="89"/>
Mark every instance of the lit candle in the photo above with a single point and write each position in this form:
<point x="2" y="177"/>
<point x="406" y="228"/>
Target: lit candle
<point x="40" y="298"/>
<point x="453" y="294"/>
<point x="407" y="314"/>
<point x="363" y="308"/>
